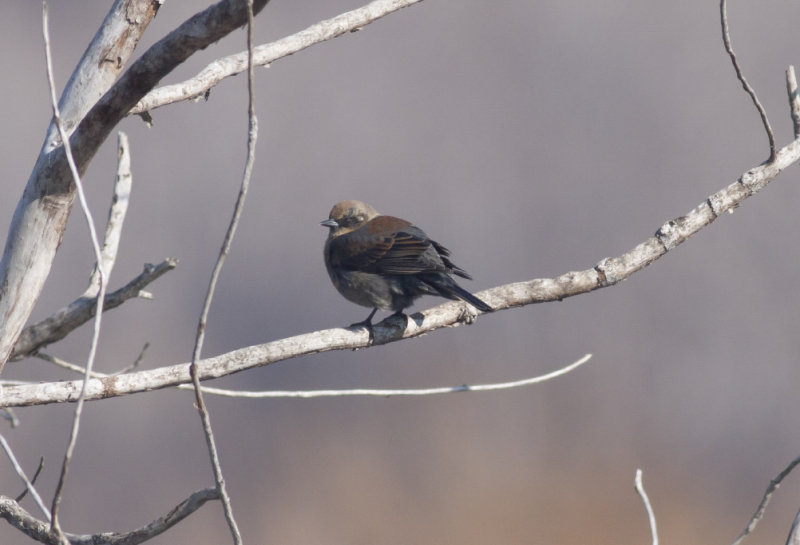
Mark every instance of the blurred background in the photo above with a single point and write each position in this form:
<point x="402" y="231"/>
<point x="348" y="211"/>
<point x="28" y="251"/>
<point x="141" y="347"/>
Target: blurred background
<point x="531" y="138"/>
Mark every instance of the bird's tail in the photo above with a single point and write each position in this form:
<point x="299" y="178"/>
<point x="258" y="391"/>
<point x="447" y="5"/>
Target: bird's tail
<point x="447" y="287"/>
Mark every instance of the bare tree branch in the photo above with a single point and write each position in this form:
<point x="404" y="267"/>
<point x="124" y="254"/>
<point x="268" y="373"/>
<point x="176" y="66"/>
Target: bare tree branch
<point x="116" y="218"/>
<point x="607" y="272"/>
<point x="36" y="474"/>
<point x="28" y="482"/>
<point x="252" y="137"/>
<point x="726" y="40"/>
<point x="99" y="281"/>
<point x="651" y="516"/>
<point x="263" y="55"/>
<point x="794" y="531"/>
<point x="794" y="100"/>
<point x="40" y="218"/>
<point x="116" y="214"/>
<point x="41" y="215"/>
<point x="762" y="507"/>
<point x="377" y="392"/>
<point x="39" y="530"/>
<point x="386" y="392"/>
<point x="59" y="325"/>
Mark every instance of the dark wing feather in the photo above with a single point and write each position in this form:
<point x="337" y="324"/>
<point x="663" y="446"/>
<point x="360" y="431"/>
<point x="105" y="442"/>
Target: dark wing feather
<point x="388" y="245"/>
<point x="412" y="253"/>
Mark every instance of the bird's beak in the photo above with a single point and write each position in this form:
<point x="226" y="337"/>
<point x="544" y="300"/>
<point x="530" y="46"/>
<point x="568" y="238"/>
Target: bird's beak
<point x="329" y="223"/>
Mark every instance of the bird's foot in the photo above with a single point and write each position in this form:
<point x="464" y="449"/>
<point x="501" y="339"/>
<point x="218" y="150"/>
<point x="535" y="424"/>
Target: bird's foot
<point x="402" y="314"/>
<point x="367" y="324"/>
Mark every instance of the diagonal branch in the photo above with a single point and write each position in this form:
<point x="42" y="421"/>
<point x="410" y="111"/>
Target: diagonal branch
<point x="59" y="325"/>
<point x="40" y="219"/>
<point x="263" y="55"/>
<point x="41" y="214"/>
<point x="762" y="506"/>
<point x="21" y="473"/>
<point x="40" y="531"/>
<point x="606" y="273"/>
<point x="116" y="218"/>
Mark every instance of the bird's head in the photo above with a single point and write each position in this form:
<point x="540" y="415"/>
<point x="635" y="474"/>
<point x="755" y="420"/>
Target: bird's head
<point x="348" y="216"/>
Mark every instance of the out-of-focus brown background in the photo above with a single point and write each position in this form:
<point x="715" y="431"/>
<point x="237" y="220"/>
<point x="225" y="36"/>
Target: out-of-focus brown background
<point x="532" y="138"/>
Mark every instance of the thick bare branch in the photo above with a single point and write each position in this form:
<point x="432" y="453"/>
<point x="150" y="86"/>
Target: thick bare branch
<point x="265" y="54"/>
<point x="39" y="530"/>
<point x="40" y="218"/>
<point x="41" y="214"/>
<point x="606" y="273"/>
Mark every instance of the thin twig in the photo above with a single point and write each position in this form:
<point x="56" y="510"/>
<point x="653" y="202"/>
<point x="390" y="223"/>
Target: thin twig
<point x="726" y="40"/>
<point x="252" y="136"/>
<point x="55" y="360"/>
<point x="101" y="279"/>
<point x="36" y="473"/>
<point x="305" y="394"/>
<point x="64" y="321"/>
<point x="651" y="516"/>
<point x="794" y="99"/>
<point x="40" y="531"/>
<point x="762" y="507"/>
<point x="136" y="362"/>
<point x="21" y="472"/>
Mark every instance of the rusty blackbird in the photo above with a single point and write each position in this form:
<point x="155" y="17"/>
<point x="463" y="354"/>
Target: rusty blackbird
<point x="386" y="263"/>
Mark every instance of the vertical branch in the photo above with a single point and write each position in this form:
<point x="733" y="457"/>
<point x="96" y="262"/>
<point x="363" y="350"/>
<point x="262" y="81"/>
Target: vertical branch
<point x="794" y="100"/>
<point x="726" y="39"/>
<point x="101" y="280"/>
<point x="116" y="213"/>
<point x="651" y="516"/>
<point x="201" y="326"/>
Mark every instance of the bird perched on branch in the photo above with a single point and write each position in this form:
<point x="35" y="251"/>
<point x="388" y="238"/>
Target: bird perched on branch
<point x="386" y="263"/>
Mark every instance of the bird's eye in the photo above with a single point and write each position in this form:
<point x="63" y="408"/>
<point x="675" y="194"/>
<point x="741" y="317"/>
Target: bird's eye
<point x="360" y="218"/>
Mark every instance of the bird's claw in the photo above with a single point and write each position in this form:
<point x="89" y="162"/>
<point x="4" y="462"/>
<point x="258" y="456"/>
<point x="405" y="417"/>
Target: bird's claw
<point x="367" y="324"/>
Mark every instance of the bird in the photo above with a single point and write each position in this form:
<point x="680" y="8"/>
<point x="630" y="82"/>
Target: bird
<point x="386" y="263"/>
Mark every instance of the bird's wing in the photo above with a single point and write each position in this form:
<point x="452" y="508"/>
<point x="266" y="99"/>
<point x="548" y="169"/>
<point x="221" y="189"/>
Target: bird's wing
<point x="390" y="246"/>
